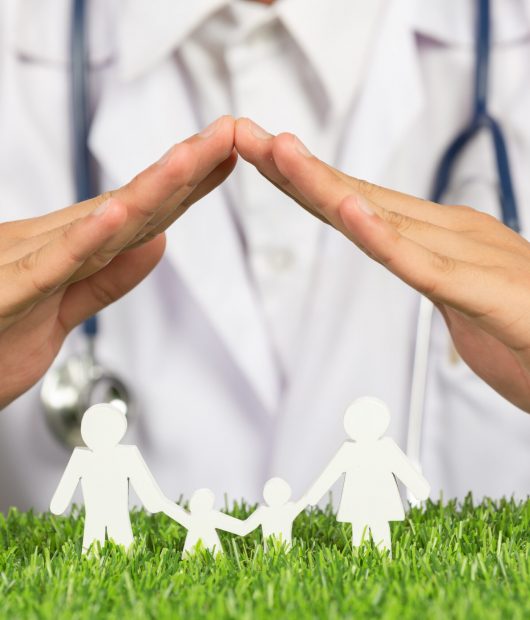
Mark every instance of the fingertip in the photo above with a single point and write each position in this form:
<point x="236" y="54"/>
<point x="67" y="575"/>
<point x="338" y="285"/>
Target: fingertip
<point x="355" y="208"/>
<point x="227" y="127"/>
<point x="221" y="128"/>
<point x="283" y="143"/>
<point x="253" y="142"/>
<point x="228" y="119"/>
<point x="249" y="133"/>
<point x="359" y="221"/>
<point x="288" y="151"/>
<point x="364" y="226"/>
<point x="242" y="134"/>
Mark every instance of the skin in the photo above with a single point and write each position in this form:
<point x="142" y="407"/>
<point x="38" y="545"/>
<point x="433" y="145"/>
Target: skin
<point x="59" y="269"/>
<point x="472" y="267"/>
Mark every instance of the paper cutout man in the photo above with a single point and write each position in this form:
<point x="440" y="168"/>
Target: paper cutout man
<point x="277" y="516"/>
<point x="202" y="522"/>
<point x="105" y="469"/>
<point x="370" y="496"/>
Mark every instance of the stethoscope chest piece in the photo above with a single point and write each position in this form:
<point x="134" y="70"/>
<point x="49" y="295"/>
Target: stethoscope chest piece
<point x="71" y="388"/>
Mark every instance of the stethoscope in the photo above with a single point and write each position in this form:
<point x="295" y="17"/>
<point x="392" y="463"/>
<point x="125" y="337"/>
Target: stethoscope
<point x="71" y="388"/>
<point x="481" y="120"/>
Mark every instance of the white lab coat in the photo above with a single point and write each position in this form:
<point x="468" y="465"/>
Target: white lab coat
<point x="191" y="338"/>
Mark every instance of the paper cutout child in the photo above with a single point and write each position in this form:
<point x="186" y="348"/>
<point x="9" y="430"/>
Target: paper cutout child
<point x="370" y="496"/>
<point x="276" y="518"/>
<point x="105" y="469"/>
<point x="202" y="522"/>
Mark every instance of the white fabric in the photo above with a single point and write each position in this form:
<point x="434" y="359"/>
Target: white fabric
<point x="201" y="338"/>
<point x="238" y="61"/>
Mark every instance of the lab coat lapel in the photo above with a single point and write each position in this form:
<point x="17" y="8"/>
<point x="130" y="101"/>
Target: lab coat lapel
<point x="135" y="123"/>
<point x="389" y="100"/>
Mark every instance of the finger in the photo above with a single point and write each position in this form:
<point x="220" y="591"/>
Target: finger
<point x="85" y="298"/>
<point x="209" y="149"/>
<point x="323" y="188"/>
<point x="161" y="187"/>
<point x="442" y="279"/>
<point x="39" y="274"/>
<point x="254" y="144"/>
<point x="215" y="178"/>
<point x="171" y="179"/>
<point x="151" y="191"/>
<point x="458" y="245"/>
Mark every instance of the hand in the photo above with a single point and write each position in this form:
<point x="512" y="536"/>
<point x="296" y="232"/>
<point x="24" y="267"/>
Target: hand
<point x="59" y="269"/>
<point x="475" y="269"/>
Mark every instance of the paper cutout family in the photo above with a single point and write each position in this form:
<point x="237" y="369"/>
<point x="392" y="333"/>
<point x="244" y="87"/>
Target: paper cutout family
<point x="370" y="497"/>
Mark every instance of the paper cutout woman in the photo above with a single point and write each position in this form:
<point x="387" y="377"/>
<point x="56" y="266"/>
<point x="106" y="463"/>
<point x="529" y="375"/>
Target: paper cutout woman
<point x="370" y="496"/>
<point x="202" y="522"/>
<point x="277" y="516"/>
<point x="105" y="469"/>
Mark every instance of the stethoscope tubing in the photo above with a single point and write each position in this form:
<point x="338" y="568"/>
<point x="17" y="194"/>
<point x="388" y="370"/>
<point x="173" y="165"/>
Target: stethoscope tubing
<point x="79" y="80"/>
<point x="481" y="120"/>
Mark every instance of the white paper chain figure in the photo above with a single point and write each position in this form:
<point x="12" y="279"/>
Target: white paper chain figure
<point x="370" y="496"/>
<point x="202" y="522"/>
<point x="105" y="469"/>
<point x="277" y="516"/>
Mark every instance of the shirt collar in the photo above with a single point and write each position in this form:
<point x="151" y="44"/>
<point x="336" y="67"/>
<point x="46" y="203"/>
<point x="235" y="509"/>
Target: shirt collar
<point x="335" y="37"/>
<point x="322" y="30"/>
<point x="146" y="35"/>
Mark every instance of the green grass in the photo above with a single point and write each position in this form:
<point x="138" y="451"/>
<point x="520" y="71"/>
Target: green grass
<point x="449" y="562"/>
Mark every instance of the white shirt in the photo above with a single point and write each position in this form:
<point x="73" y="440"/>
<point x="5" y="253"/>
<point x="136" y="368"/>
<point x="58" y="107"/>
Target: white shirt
<point x="248" y="59"/>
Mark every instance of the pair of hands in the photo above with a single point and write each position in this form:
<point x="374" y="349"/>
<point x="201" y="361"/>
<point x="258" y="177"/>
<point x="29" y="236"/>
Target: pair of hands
<point x="61" y="268"/>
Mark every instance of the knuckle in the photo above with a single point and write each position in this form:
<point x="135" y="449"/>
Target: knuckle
<point x="474" y="219"/>
<point x="397" y="220"/>
<point x="101" y="198"/>
<point x="26" y="266"/>
<point x="463" y="209"/>
<point x="427" y="287"/>
<point x="364" y="187"/>
<point x="102" y="258"/>
<point x="442" y="264"/>
<point x="73" y="255"/>
<point x="103" y="295"/>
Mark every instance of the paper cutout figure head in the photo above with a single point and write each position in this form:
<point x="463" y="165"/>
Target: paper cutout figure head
<point x="103" y="426"/>
<point x="276" y="492"/>
<point x="366" y="419"/>
<point x="201" y="501"/>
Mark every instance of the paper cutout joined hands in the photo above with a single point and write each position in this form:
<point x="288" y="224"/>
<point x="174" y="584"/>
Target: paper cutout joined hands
<point x="202" y="522"/>
<point x="276" y="518"/>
